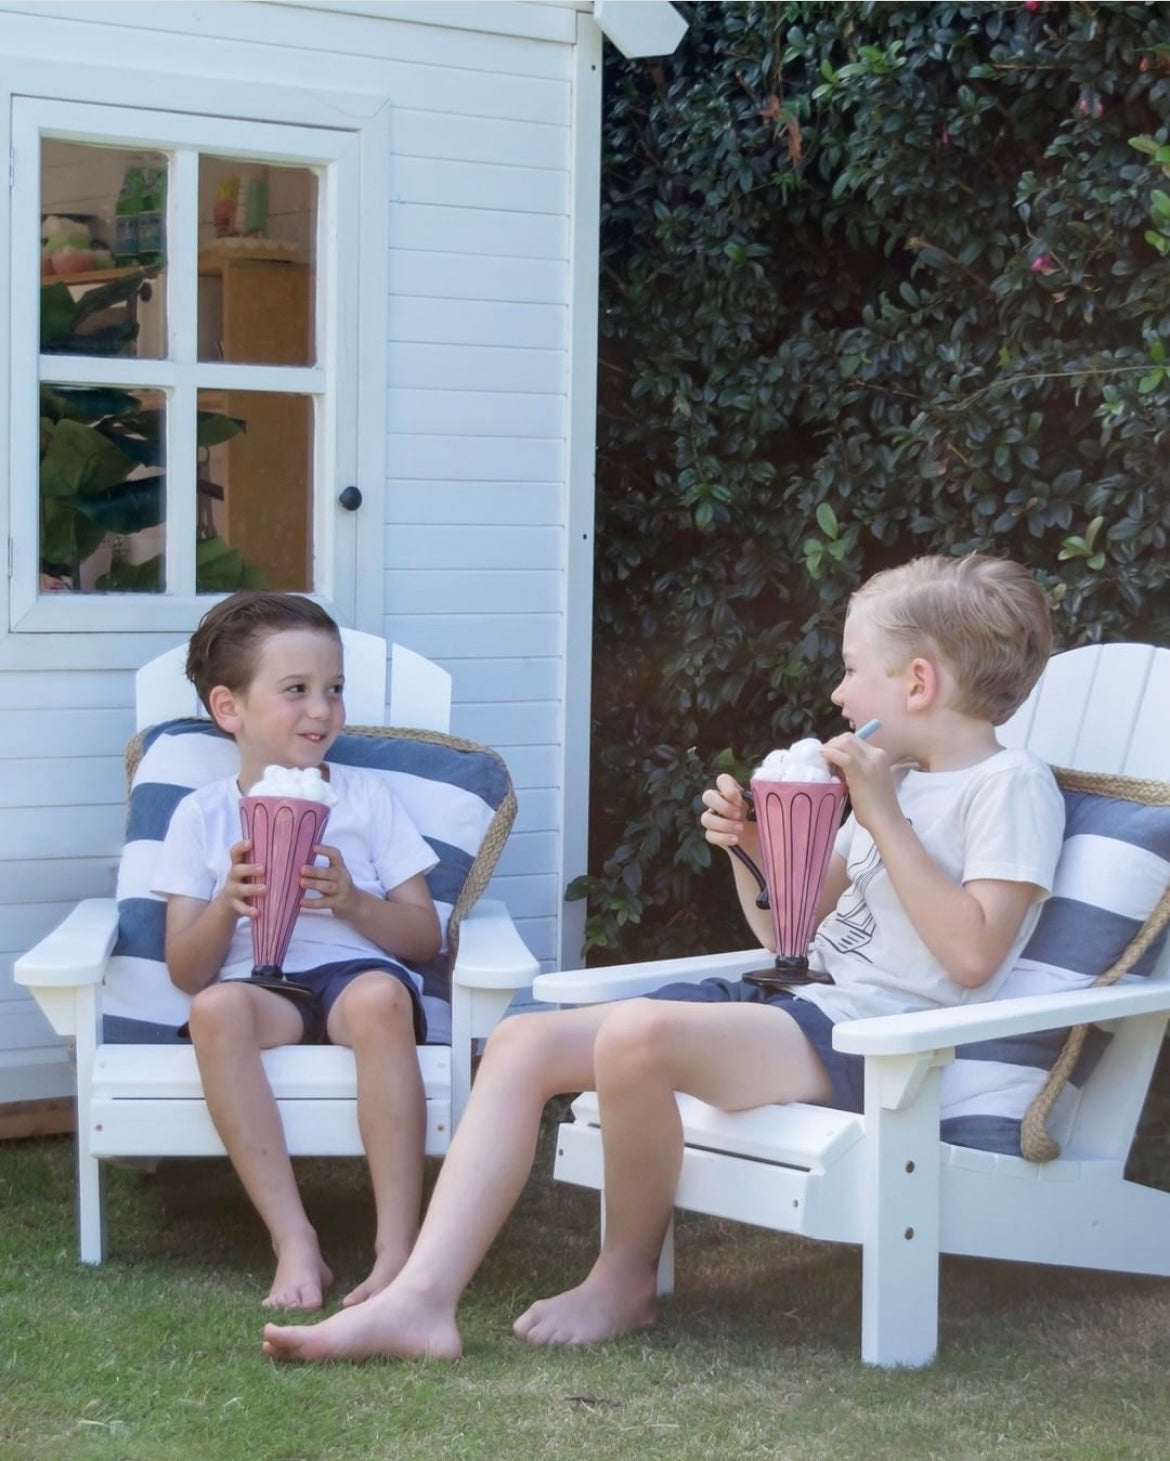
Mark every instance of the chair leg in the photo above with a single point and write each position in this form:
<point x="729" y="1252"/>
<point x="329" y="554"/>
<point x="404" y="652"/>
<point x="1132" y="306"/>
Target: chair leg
<point x="666" y="1262"/>
<point x="899" y="1285"/>
<point x="91" y="1184"/>
<point x="664" y="1282"/>
<point x="91" y="1207"/>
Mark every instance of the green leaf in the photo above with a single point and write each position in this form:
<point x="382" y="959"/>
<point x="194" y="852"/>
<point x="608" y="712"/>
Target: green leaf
<point x="80" y="460"/>
<point x="826" y="520"/>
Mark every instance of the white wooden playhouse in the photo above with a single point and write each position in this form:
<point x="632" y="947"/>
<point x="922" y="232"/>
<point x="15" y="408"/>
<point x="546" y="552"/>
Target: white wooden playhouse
<point x="367" y="232"/>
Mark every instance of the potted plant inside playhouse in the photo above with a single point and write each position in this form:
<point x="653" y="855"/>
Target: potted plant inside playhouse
<point x="102" y="470"/>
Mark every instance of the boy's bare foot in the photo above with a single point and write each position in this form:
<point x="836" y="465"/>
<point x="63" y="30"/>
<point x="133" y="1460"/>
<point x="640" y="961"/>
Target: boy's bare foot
<point x="394" y="1322"/>
<point x="302" y="1276"/>
<point x="600" y="1308"/>
<point x="381" y="1276"/>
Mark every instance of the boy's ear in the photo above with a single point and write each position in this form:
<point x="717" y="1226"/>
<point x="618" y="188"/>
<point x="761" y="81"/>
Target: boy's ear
<point x="922" y="684"/>
<point x="222" y="703"/>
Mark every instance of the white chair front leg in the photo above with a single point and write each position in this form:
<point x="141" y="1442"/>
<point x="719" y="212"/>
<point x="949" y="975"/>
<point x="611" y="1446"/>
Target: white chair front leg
<point x="900" y="1246"/>
<point x="91" y="1178"/>
<point x="664" y="1278"/>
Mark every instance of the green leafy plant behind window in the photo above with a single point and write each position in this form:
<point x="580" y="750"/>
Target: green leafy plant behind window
<point x="102" y="457"/>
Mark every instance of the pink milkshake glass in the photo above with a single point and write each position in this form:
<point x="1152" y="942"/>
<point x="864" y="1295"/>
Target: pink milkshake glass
<point x="798" y="822"/>
<point x="283" y="831"/>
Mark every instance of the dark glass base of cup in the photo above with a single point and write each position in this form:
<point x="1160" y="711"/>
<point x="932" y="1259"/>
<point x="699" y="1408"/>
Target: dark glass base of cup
<point x="270" y="976"/>
<point x="788" y="969"/>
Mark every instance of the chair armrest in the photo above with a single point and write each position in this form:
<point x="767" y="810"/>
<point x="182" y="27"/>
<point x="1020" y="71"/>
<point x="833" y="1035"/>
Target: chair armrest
<point x="624" y="981"/>
<point x="491" y="954"/>
<point x="77" y="950"/>
<point x="925" y="1030"/>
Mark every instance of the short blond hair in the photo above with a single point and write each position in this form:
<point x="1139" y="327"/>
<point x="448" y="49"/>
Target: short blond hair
<point x="986" y="617"/>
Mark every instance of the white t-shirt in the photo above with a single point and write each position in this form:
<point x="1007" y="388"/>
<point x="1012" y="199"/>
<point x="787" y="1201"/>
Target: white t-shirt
<point x="380" y="845"/>
<point x="1002" y="818"/>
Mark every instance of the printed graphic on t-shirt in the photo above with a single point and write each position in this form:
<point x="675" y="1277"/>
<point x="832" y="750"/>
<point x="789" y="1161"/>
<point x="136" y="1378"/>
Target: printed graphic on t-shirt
<point x="851" y="928"/>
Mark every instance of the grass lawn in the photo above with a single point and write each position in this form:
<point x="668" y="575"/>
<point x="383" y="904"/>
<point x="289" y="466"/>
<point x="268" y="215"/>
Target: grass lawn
<point x="156" y="1354"/>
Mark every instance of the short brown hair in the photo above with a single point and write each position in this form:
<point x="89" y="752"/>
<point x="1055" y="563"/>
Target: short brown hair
<point x="225" y="647"/>
<point x="986" y="617"/>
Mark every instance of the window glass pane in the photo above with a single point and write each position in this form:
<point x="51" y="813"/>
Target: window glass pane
<point x="254" y="523"/>
<point x="257" y="241"/>
<point x="102" y="489"/>
<point x="103" y="250"/>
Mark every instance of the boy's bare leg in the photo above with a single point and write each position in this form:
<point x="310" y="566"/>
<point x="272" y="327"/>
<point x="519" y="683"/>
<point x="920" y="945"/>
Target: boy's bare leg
<point x="528" y="1059"/>
<point x="733" y="1057"/>
<point x="374" y="1016"/>
<point x="230" y="1024"/>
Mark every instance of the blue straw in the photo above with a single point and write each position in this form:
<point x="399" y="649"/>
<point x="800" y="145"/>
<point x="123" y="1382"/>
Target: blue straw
<point x="867" y="730"/>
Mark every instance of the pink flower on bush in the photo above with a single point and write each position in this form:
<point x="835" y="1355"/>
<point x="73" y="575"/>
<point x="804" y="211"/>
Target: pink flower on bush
<point x="1041" y="264"/>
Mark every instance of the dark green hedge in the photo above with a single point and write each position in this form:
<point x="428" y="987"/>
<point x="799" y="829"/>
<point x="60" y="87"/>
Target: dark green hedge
<point x="877" y="280"/>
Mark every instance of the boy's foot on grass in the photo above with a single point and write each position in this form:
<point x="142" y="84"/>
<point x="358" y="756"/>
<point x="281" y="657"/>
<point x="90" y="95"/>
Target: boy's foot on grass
<point x="302" y="1276"/>
<point x="385" y="1270"/>
<point x="600" y="1308"/>
<point x="394" y="1322"/>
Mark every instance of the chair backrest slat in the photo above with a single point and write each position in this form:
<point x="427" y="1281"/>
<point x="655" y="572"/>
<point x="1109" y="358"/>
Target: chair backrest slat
<point x="163" y="692"/>
<point x="1100" y="708"/>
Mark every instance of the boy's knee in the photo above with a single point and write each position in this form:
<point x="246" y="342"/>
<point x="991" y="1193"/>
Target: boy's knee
<point x="635" y="1035"/>
<point x="219" y="1010"/>
<point x="510" y="1036"/>
<point x="375" y="1000"/>
<point x="516" y="1042"/>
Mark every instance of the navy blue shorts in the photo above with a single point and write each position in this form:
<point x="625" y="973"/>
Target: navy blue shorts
<point x="846" y="1072"/>
<point x="327" y="981"/>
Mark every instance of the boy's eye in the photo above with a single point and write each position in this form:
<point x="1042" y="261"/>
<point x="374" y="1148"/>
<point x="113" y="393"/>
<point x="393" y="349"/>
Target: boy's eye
<point x="295" y="689"/>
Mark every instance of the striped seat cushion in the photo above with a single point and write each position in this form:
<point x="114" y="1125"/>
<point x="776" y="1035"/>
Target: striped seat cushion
<point x="1113" y="869"/>
<point x="458" y="794"/>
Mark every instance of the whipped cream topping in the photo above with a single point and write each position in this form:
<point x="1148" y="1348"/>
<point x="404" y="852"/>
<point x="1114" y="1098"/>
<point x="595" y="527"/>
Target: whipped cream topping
<point x="303" y="783"/>
<point x="802" y="761"/>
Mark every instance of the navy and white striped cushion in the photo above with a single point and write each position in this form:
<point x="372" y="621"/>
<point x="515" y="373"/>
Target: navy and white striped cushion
<point x="1113" y="869"/>
<point x="452" y="790"/>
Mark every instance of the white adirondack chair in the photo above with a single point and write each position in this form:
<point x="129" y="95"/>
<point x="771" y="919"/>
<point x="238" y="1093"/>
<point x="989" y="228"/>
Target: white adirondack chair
<point x="884" y="1180"/>
<point x="146" y="1101"/>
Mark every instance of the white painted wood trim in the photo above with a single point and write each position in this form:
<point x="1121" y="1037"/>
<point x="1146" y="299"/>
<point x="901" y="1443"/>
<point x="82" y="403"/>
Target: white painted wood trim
<point x="539" y="20"/>
<point x="373" y="372"/>
<point x="584" y="251"/>
<point x="339" y="437"/>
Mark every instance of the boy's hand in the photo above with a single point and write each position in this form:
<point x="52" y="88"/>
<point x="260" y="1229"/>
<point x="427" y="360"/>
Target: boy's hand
<point x="866" y="770"/>
<point x="331" y="886"/>
<point x="244" y="882"/>
<point x="724" y="819"/>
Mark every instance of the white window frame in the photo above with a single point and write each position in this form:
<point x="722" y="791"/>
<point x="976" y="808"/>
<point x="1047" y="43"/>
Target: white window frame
<point x="348" y="144"/>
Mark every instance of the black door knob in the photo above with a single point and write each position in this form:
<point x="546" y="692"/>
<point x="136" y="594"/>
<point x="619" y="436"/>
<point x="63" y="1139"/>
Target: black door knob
<point x="351" y="498"/>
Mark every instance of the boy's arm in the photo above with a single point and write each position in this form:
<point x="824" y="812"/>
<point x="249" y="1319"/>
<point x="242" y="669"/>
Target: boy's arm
<point x="199" y="931"/>
<point x="200" y="922"/>
<point x="404" y="923"/>
<point x="969" y="927"/>
<point x="836" y="881"/>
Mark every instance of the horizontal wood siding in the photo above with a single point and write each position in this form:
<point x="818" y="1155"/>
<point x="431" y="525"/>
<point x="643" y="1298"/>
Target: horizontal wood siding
<point x="477" y="408"/>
